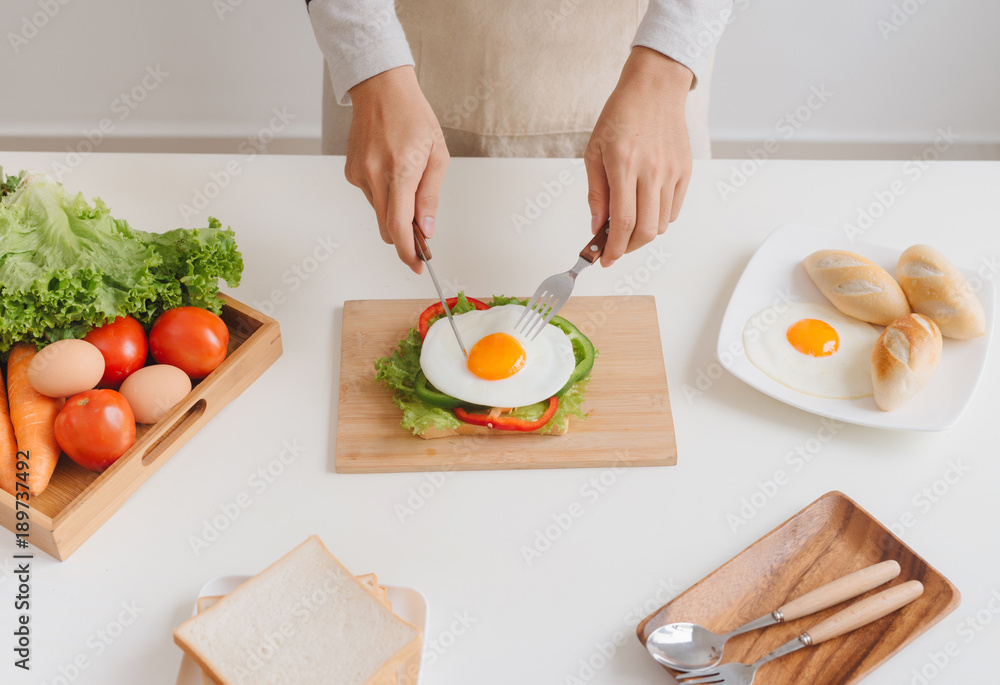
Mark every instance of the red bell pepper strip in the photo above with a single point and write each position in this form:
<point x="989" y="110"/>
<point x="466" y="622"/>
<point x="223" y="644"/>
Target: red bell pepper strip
<point x="508" y="423"/>
<point x="435" y="310"/>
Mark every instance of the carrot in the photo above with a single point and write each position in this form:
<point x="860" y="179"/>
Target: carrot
<point x="34" y="417"/>
<point x="8" y="445"/>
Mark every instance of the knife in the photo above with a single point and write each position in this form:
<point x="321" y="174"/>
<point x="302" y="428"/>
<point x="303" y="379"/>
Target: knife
<point x="424" y="253"/>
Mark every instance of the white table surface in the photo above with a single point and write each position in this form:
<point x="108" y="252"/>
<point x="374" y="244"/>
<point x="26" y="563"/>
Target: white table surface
<point x="652" y="533"/>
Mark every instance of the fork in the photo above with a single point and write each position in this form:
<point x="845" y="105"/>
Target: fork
<point x="555" y="290"/>
<point x="853" y="617"/>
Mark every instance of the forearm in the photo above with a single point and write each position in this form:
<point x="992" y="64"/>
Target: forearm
<point x="685" y="30"/>
<point x="359" y="39"/>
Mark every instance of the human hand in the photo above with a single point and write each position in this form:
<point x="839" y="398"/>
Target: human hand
<point x="397" y="155"/>
<point x="639" y="157"/>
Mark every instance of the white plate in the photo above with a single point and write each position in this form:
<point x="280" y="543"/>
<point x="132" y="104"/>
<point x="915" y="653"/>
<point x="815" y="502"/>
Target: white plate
<point x="776" y="270"/>
<point x="409" y="604"/>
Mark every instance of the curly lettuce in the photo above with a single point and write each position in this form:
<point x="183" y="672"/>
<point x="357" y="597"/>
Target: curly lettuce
<point x="67" y="266"/>
<point x="397" y="373"/>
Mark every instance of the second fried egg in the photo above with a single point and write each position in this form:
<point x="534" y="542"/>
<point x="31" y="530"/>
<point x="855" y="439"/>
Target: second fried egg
<point x="812" y="348"/>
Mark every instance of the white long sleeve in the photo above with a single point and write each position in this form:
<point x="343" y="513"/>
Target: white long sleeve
<point x="684" y="30"/>
<point x="362" y="38"/>
<point x="359" y="39"/>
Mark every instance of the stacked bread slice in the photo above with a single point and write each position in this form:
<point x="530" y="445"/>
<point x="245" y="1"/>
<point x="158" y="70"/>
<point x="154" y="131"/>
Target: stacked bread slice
<point x="305" y="620"/>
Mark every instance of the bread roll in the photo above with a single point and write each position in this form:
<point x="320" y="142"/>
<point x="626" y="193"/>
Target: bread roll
<point x="857" y="286"/>
<point x="939" y="291"/>
<point x="904" y="359"/>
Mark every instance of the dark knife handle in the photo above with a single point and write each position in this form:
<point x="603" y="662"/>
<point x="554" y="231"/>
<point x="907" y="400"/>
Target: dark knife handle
<point x="420" y="242"/>
<point x="596" y="246"/>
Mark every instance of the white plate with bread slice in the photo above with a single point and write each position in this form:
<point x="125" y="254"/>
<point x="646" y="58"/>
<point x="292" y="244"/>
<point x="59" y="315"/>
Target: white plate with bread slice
<point x="925" y="383"/>
<point x="322" y="615"/>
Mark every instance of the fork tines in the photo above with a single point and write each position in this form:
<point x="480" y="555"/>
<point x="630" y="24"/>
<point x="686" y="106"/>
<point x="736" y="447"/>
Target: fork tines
<point x="538" y="313"/>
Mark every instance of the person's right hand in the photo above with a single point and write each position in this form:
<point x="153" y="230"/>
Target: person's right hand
<point x="397" y="155"/>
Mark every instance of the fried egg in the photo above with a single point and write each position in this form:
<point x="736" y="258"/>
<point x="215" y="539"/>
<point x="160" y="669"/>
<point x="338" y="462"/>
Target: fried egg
<point x="504" y="369"/>
<point x="812" y="348"/>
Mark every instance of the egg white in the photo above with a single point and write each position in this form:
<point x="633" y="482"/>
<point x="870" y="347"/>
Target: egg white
<point x="549" y="359"/>
<point x="845" y="374"/>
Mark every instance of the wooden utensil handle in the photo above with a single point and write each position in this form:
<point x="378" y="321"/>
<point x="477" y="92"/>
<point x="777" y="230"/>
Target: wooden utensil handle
<point x="423" y="252"/>
<point x="596" y="246"/>
<point x="839" y="590"/>
<point x="867" y="610"/>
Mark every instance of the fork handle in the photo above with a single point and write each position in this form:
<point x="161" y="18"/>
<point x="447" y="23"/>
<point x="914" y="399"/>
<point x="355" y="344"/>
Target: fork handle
<point x="840" y="590"/>
<point x="864" y="612"/>
<point x="596" y="246"/>
<point x="423" y="252"/>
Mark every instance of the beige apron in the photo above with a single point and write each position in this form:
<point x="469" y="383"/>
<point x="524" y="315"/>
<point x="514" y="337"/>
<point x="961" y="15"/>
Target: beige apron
<point x="519" y="78"/>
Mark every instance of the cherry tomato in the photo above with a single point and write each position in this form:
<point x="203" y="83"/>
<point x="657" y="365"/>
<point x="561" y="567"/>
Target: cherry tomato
<point x="95" y="427"/>
<point x="123" y="344"/>
<point x="191" y="338"/>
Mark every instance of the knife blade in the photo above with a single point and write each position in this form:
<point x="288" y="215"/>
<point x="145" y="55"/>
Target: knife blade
<point x="424" y="253"/>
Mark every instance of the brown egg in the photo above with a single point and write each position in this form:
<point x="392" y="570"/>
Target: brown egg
<point x="66" y="368"/>
<point x="154" y="390"/>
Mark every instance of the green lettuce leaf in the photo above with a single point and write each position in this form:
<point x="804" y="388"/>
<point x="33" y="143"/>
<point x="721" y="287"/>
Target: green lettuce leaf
<point x="397" y="373"/>
<point x="67" y="266"/>
<point x="500" y="300"/>
<point x="570" y="404"/>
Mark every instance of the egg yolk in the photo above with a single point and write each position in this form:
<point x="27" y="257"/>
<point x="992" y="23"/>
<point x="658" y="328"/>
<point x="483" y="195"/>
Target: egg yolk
<point x="813" y="337"/>
<point x="496" y="356"/>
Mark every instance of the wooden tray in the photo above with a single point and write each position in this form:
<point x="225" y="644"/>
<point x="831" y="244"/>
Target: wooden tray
<point x="830" y="538"/>
<point x="77" y="502"/>
<point x="629" y="421"/>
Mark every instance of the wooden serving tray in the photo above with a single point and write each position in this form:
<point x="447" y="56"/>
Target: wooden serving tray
<point x="629" y="421"/>
<point x="77" y="502"/>
<point x="830" y="538"/>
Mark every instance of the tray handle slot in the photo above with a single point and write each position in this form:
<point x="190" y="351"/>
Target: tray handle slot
<point x="187" y="421"/>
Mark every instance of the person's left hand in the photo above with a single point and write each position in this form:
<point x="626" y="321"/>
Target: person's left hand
<point x="639" y="157"/>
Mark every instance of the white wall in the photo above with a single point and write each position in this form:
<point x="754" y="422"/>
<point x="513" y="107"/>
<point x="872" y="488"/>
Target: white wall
<point x="940" y="68"/>
<point x="228" y="71"/>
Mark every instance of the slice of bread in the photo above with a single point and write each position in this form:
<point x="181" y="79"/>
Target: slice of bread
<point x="304" y="620"/>
<point x="205" y="603"/>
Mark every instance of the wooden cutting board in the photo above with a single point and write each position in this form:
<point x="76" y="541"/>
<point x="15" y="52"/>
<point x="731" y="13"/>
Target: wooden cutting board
<point x="628" y="424"/>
